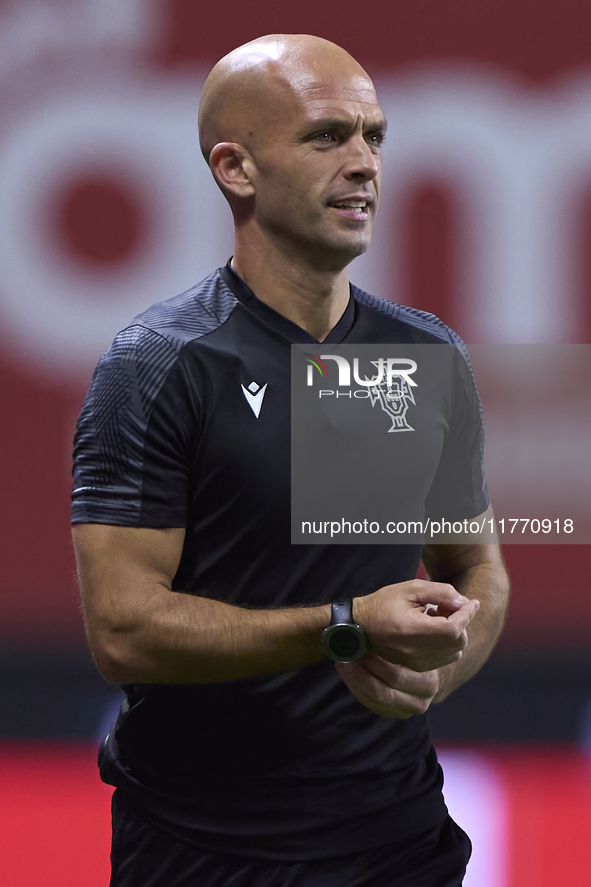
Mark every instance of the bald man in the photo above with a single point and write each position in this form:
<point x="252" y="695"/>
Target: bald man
<point x="252" y="748"/>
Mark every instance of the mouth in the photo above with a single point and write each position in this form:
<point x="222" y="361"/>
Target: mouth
<point x="352" y="208"/>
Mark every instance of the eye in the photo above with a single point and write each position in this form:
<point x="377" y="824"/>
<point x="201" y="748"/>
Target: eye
<point x="326" y="137"/>
<point x="375" y="139"/>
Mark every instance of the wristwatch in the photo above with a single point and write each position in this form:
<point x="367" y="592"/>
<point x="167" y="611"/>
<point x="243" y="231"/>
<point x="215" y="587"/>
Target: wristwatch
<point x="344" y="640"/>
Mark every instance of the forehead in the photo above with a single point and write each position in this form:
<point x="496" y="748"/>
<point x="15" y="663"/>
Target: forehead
<point x="315" y="97"/>
<point x="331" y="83"/>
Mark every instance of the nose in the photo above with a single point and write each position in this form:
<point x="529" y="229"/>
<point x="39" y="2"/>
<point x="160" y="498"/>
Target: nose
<point x="363" y="162"/>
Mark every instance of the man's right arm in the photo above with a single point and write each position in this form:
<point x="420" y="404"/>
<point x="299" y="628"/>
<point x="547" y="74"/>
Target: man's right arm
<point x="141" y="631"/>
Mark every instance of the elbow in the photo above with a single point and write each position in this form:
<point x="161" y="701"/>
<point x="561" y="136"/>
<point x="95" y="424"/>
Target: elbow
<point x="113" y="664"/>
<point x="116" y="657"/>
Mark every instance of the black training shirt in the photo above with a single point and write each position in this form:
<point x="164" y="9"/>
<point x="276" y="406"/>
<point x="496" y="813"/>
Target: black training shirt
<point x="288" y="766"/>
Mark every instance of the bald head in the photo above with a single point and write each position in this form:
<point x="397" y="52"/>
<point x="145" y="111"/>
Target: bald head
<point x="291" y="128"/>
<point x="250" y="87"/>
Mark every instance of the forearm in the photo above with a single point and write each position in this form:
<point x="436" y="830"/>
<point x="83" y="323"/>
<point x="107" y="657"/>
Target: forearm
<point x="141" y="631"/>
<point x="487" y="582"/>
<point x="182" y="638"/>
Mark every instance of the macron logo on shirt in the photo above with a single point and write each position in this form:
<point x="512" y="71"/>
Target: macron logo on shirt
<point x="254" y="396"/>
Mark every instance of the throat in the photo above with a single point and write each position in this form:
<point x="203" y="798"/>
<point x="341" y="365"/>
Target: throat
<point x="318" y="316"/>
<point x="311" y="301"/>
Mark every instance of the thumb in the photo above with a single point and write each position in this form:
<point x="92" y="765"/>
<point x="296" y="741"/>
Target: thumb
<point x="441" y="594"/>
<point x="354" y="675"/>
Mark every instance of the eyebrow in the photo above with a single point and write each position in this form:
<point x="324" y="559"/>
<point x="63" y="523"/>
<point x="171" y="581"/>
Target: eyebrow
<point x="379" y="125"/>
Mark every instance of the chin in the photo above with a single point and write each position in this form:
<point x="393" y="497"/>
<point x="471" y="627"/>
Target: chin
<point x="336" y="258"/>
<point x="352" y="250"/>
<point x="335" y="253"/>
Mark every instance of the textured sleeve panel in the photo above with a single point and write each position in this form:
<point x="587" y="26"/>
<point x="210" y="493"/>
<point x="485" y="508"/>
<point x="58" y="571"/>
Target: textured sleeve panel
<point x="192" y="314"/>
<point x="110" y="441"/>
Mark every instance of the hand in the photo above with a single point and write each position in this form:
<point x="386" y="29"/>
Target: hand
<point x="403" y="630"/>
<point x="393" y="691"/>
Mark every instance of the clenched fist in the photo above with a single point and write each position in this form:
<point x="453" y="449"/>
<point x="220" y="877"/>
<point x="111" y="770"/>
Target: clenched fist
<point x="404" y="630"/>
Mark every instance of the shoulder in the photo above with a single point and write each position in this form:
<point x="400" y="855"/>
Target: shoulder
<point x="422" y="325"/>
<point x="143" y="354"/>
<point x="159" y="333"/>
<point x="192" y="314"/>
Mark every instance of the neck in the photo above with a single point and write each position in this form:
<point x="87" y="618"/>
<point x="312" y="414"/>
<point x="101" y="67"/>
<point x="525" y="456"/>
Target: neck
<point x="314" y="299"/>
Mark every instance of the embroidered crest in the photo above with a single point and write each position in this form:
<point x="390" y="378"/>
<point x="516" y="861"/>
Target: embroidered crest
<point x="394" y="399"/>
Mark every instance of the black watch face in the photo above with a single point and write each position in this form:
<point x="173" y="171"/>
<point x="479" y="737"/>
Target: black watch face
<point x="345" y="643"/>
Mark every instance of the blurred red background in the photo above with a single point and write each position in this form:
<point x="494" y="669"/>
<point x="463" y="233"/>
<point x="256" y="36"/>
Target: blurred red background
<point x="106" y="206"/>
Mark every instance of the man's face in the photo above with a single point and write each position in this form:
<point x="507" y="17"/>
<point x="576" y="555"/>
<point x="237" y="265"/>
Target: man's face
<point x="318" y="168"/>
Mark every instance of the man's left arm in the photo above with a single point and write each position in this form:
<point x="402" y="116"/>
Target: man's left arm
<point x="476" y="571"/>
<point x="395" y="691"/>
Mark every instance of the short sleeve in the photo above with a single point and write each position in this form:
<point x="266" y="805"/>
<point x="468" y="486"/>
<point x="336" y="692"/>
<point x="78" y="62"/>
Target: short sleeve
<point x="459" y="488"/>
<point x="131" y="448"/>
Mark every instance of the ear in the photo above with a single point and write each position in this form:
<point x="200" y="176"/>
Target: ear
<point x="232" y="166"/>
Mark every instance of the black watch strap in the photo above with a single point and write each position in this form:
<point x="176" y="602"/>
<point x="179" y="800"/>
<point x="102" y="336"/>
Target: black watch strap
<point x="342" y="611"/>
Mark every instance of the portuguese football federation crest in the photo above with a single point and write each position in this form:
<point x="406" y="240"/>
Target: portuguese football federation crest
<point x="395" y="400"/>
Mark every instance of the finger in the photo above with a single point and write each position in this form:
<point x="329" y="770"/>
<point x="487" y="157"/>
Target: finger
<point x="464" y="616"/>
<point x="437" y="633"/>
<point x="357" y="678"/>
<point x="452" y="625"/>
<point x="393" y="676"/>
<point x="440" y="593"/>
<point x="370" y="690"/>
<point x="377" y="696"/>
<point x="400" y="677"/>
<point x="431" y="661"/>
